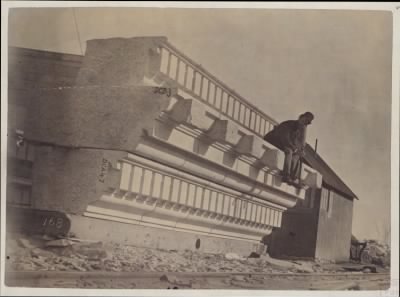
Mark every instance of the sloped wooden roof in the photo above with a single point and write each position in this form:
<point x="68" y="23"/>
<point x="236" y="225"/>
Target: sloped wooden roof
<point x="330" y="178"/>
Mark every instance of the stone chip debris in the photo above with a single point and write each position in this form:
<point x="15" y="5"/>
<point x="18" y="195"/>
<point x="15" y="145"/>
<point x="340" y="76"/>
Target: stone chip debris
<point x="39" y="253"/>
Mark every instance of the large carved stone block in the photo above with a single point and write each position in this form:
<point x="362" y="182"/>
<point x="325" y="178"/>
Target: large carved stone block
<point x="267" y="155"/>
<point x="224" y="131"/>
<point x="272" y="158"/>
<point x="192" y="112"/>
<point x="311" y="177"/>
<point x="250" y="145"/>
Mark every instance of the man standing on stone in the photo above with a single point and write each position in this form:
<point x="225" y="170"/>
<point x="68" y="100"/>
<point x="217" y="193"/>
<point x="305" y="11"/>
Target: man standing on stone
<point x="290" y="137"/>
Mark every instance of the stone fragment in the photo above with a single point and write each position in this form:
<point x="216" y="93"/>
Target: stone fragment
<point x="48" y="237"/>
<point x="254" y="255"/>
<point x="25" y="243"/>
<point x="59" y="243"/>
<point x="239" y="278"/>
<point x="36" y="252"/>
<point x="92" y="253"/>
<point x="172" y="279"/>
<point x="233" y="256"/>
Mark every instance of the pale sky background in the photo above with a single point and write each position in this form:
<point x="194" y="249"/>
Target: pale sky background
<point x="336" y="64"/>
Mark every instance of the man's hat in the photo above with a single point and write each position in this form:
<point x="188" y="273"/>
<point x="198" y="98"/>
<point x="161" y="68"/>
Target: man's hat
<point x="307" y="114"/>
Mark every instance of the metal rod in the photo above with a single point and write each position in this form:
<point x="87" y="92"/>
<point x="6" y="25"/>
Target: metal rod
<point x="185" y="76"/>
<point x="77" y="30"/>
<point x="177" y="69"/>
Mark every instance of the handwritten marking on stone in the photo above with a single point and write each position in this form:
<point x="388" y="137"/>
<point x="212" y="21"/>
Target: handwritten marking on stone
<point x="104" y="169"/>
<point x="52" y="221"/>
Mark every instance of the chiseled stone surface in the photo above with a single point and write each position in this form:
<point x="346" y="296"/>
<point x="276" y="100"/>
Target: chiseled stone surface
<point x="98" y="117"/>
<point x="68" y="180"/>
<point x="108" y="107"/>
<point x="120" y="61"/>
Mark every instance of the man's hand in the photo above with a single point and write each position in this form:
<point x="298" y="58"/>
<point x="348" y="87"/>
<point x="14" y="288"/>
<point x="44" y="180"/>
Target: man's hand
<point x="301" y="152"/>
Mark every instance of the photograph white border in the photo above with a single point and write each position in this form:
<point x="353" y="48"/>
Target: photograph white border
<point x="393" y="7"/>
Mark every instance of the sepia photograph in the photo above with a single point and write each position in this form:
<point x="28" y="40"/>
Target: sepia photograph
<point x="238" y="148"/>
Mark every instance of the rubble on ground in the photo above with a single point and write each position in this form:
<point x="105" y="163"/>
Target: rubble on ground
<point x="370" y="252"/>
<point x="377" y="253"/>
<point x="52" y="254"/>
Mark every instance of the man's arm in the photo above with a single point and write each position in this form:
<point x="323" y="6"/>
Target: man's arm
<point x="302" y="140"/>
<point x="291" y="141"/>
<point x="286" y="134"/>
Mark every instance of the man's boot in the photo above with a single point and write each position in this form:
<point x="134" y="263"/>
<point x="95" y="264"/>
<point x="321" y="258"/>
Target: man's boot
<point x="287" y="179"/>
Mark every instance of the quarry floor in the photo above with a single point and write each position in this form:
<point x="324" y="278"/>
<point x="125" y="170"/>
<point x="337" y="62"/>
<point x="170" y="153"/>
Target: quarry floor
<point x="39" y="261"/>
